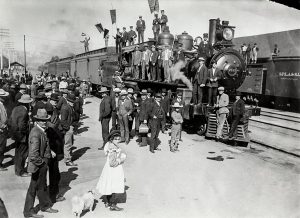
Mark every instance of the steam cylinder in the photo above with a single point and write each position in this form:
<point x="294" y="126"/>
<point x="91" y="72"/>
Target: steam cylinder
<point x="165" y="38"/>
<point x="186" y="40"/>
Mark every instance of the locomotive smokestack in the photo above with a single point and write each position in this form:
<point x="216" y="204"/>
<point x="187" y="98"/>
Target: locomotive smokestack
<point x="212" y="31"/>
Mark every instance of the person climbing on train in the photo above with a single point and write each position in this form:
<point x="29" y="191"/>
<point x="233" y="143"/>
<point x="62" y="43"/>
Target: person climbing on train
<point x="236" y="114"/>
<point x="214" y="75"/>
<point x="221" y="111"/>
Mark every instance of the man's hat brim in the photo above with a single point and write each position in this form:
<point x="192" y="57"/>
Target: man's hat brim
<point x="42" y="118"/>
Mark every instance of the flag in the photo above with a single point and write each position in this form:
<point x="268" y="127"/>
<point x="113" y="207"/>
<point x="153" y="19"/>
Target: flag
<point x="153" y="5"/>
<point x="105" y="32"/>
<point x="113" y="16"/>
<point x="99" y="27"/>
<point x="83" y="34"/>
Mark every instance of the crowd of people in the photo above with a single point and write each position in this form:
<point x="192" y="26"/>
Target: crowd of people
<point x="41" y="118"/>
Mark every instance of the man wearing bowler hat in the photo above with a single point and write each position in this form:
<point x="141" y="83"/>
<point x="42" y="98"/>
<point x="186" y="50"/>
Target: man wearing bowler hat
<point x="19" y="123"/>
<point x="67" y="118"/>
<point x="105" y="113"/>
<point x="205" y="48"/>
<point x="3" y="127"/>
<point x="156" y="115"/>
<point x="38" y="158"/>
<point x="140" y="28"/>
<point x="199" y="81"/>
<point x="213" y="77"/>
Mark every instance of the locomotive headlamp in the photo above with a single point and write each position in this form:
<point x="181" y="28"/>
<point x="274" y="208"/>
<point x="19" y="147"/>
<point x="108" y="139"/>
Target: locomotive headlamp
<point x="228" y="34"/>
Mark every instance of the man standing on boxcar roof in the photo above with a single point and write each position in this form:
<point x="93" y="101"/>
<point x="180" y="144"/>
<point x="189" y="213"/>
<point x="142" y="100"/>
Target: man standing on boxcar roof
<point x="124" y="37"/>
<point x="140" y="28"/>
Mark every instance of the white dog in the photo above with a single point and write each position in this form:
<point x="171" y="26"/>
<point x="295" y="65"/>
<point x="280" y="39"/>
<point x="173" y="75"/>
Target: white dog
<point x="84" y="202"/>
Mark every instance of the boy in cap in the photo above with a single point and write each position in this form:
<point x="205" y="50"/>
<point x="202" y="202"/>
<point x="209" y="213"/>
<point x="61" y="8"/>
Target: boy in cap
<point x="177" y="121"/>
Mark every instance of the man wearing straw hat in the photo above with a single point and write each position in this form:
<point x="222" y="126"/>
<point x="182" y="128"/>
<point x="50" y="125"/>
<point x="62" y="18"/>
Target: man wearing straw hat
<point x="19" y="123"/>
<point x="38" y="156"/>
<point x="3" y="127"/>
<point x="105" y="113"/>
<point x="177" y="121"/>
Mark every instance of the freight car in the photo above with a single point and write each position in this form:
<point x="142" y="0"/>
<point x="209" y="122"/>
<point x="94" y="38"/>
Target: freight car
<point x="274" y="82"/>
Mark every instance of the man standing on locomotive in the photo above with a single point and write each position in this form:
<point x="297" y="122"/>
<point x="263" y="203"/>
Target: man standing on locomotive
<point x="153" y="64"/>
<point x="166" y="57"/>
<point x="140" y="28"/>
<point x="145" y="62"/>
<point x="205" y="48"/>
<point x="199" y="82"/>
<point x="131" y="36"/>
<point x="156" y="26"/>
<point x="163" y="20"/>
<point x="124" y="37"/>
<point x="214" y="75"/>
<point x="136" y="62"/>
<point x="222" y="111"/>
<point x="118" y="39"/>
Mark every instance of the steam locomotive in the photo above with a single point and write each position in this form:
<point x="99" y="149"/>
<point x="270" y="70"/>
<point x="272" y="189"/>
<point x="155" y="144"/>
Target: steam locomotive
<point x="105" y="61"/>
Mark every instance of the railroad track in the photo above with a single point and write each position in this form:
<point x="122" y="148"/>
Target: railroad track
<point x="276" y="131"/>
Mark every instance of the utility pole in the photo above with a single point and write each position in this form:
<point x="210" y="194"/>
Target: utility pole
<point x="25" y="57"/>
<point x="3" y="33"/>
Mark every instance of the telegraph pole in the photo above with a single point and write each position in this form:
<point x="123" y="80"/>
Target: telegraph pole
<point x="3" y="33"/>
<point x="25" y="56"/>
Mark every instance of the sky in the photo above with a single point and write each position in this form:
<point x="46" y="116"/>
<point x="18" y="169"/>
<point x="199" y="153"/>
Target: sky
<point x="54" y="27"/>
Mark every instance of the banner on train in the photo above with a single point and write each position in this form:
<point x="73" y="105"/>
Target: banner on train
<point x="153" y="5"/>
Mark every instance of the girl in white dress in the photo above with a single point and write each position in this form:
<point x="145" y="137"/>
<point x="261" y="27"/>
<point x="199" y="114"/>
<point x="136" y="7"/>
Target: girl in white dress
<point x="111" y="180"/>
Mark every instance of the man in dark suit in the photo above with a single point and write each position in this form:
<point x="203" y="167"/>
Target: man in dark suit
<point x="236" y="113"/>
<point x="67" y="119"/>
<point x="205" y="48"/>
<point x="140" y="28"/>
<point x="55" y="136"/>
<point x="156" y="114"/>
<point x="131" y="36"/>
<point x="142" y="114"/>
<point x="153" y="63"/>
<point x="19" y="124"/>
<point x="124" y="37"/>
<point x="163" y="20"/>
<point x="159" y="65"/>
<point x="118" y="39"/>
<point x="214" y="75"/>
<point x="199" y="82"/>
<point x="115" y="104"/>
<point x="105" y="113"/>
<point x="136" y="106"/>
<point x="156" y="26"/>
<point x="38" y="157"/>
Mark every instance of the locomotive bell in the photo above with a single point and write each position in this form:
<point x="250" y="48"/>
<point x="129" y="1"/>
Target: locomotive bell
<point x="165" y="38"/>
<point x="186" y="40"/>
